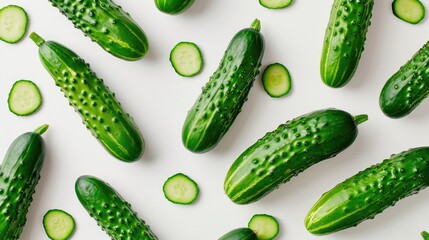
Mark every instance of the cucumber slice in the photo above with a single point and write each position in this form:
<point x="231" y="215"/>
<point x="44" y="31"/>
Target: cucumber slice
<point x="425" y="235"/>
<point x="181" y="189"/>
<point x="24" y="98"/>
<point x="410" y="11"/>
<point x="13" y="23"/>
<point x="186" y="59"/>
<point x="265" y="226"/>
<point x="276" y="80"/>
<point x="275" y="4"/>
<point x="58" y="224"/>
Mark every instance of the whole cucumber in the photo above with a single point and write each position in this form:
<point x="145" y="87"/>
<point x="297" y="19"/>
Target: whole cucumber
<point x="108" y="25"/>
<point x="344" y="40"/>
<point x="173" y="6"/>
<point x="19" y="175"/>
<point x="369" y="192"/>
<point x="224" y="95"/>
<point x="404" y="91"/>
<point x="102" y="114"/>
<point x="110" y="210"/>
<point x="289" y="150"/>
<point x="240" y="234"/>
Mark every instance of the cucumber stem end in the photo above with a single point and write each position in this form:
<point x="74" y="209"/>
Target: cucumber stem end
<point x="360" y="118"/>
<point x="37" y="39"/>
<point x="40" y="130"/>
<point x="256" y="24"/>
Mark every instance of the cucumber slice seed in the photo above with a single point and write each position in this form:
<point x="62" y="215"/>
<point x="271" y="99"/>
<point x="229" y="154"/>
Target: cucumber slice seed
<point x="265" y="226"/>
<point x="13" y="23"/>
<point x="186" y="59"/>
<point x="275" y="4"/>
<point x="410" y="11"/>
<point x="181" y="189"/>
<point x="58" y="224"/>
<point x="24" y="98"/>
<point x="276" y="80"/>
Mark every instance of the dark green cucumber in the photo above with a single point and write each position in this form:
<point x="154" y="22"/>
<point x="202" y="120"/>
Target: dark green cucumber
<point x="425" y="235"/>
<point x="19" y="175"/>
<point x="224" y="95"/>
<point x="344" y="40"/>
<point x="240" y="234"/>
<point x="404" y="91"/>
<point x="102" y="114"/>
<point x="110" y="210"/>
<point x="289" y="150"/>
<point x="369" y="192"/>
<point x="173" y="6"/>
<point x="108" y="25"/>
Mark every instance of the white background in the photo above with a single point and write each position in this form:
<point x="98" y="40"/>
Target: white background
<point x="159" y="99"/>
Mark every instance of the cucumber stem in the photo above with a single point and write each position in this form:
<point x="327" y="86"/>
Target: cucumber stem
<point x="37" y="39"/>
<point x="40" y="130"/>
<point x="360" y="118"/>
<point x="425" y="235"/>
<point x="256" y="24"/>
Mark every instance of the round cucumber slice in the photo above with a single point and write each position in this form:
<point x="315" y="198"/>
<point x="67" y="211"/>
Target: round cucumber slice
<point x="276" y="80"/>
<point x="411" y="11"/>
<point x="186" y="59"/>
<point x="24" y="98"/>
<point x="265" y="226"/>
<point x="181" y="189"/>
<point x="13" y="23"/>
<point x="58" y="224"/>
<point x="275" y="4"/>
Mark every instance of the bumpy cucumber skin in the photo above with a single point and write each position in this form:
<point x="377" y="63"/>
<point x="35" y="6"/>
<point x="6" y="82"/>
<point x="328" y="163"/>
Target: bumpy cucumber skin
<point x="223" y="96"/>
<point x="173" y="6"/>
<point x="369" y="192"/>
<point x="290" y="149"/>
<point x="240" y="234"/>
<point x="19" y="175"/>
<point x="344" y="40"/>
<point x="404" y="91"/>
<point x="108" y="25"/>
<point x="110" y="210"/>
<point x="102" y="114"/>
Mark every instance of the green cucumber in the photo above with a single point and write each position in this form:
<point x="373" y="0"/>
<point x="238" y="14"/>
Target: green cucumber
<point x="223" y="96"/>
<point x="180" y="189"/>
<point x="24" y="98"/>
<point x="425" y="235"/>
<point x="13" y="23"/>
<point x="58" y="224"/>
<point x="102" y="114"/>
<point x="410" y="11"/>
<point x="173" y="6"/>
<point x="110" y="210"/>
<point x="240" y="234"/>
<point x="344" y="40"/>
<point x="290" y="149"/>
<point x="276" y="80"/>
<point x="369" y="192"/>
<point x="275" y="4"/>
<point x="186" y="59"/>
<point x="408" y="87"/>
<point x="19" y="175"/>
<point x="265" y="226"/>
<point x="108" y="25"/>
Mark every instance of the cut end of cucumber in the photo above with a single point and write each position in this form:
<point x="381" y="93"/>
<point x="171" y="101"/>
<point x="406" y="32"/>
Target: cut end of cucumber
<point x="256" y="24"/>
<point x="186" y="59"/>
<point x="13" y="23"/>
<point x="24" y="98"/>
<point x="58" y="224"/>
<point x="181" y="189"/>
<point x="275" y="4"/>
<point x="37" y="39"/>
<point x="411" y="11"/>
<point x="265" y="226"/>
<point x="276" y="80"/>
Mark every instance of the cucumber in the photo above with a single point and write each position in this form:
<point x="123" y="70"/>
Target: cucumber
<point x="24" y="98"/>
<point x="265" y="226"/>
<point x="173" y="6"/>
<point x="275" y="4"/>
<point x="410" y="11"/>
<point x="240" y="234"/>
<point x="408" y="87"/>
<point x="13" y="23"/>
<point x="369" y="192"/>
<point x="344" y="40"/>
<point x="107" y="24"/>
<point x="58" y="224"/>
<point x="276" y="80"/>
<point x="290" y="149"/>
<point x="425" y="235"/>
<point x="224" y="94"/>
<point x="186" y="59"/>
<point x="180" y="189"/>
<point x="110" y="210"/>
<point x="19" y="175"/>
<point x="102" y="114"/>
